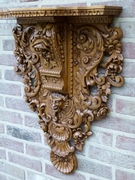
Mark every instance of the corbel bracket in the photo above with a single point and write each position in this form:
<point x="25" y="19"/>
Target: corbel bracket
<point x="69" y="58"/>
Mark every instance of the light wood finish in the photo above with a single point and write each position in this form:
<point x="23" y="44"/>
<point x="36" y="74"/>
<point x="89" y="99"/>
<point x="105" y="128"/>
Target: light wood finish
<point x="69" y="59"/>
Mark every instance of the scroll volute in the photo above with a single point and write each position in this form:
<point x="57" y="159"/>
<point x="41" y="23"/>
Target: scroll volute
<point x="69" y="60"/>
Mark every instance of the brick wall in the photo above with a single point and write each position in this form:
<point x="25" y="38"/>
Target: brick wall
<point x="108" y="155"/>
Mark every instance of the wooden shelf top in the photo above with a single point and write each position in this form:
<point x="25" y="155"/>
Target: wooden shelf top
<point x="61" y="11"/>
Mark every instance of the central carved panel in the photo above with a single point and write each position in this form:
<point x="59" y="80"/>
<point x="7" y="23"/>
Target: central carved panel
<point x="68" y="70"/>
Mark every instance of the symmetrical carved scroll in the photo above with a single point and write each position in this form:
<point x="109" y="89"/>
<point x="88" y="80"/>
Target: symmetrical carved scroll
<point x="68" y="70"/>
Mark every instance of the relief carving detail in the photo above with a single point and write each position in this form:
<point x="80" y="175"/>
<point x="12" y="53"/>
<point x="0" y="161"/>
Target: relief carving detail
<point x="68" y="70"/>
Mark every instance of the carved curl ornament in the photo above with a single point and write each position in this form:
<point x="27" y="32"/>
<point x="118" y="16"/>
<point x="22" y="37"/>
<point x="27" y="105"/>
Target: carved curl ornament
<point x="69" y="59"/>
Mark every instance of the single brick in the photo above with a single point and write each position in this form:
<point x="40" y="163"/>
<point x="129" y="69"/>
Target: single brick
<point x="128" y="89"/>
<point x="11" y="144"/>
<point x="37" y="151"/>
<point x="129" y="50"/>
<point x="10" y="89"/>
<point x="100" y="137"/>
<point x="12" y="76"/>
<point x="128" y="29"/>
<point x="94" y="168"/>
<point x="122" y="175"/>
<point x="7" y="59"/>
<point x="50" y="170"/>
<point x="24" y="161"/>
<point x="6" y="28"/>
<point x="125" y="107"/>
<point x="112" y="157"/>
<point x="11" y="117"/>
<point x="128" y="70"/>
<point x="17" y="104"/>
<point x="2" y="154"/>
<point x="23" y="134"/>
<point x="125" y="143"/>
<point x="31" y="122"/>
<point x="12" y="170"/>
<point x="8" y="45"/>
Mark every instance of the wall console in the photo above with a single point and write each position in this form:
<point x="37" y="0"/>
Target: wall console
<point x="68" y="58"/>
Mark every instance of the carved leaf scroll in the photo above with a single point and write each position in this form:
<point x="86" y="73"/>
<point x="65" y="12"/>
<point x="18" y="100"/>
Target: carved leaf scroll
<point x="60" y="66"/>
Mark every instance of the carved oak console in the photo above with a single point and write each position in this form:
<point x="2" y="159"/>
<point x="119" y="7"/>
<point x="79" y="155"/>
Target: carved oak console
<point x="69" y="58"/>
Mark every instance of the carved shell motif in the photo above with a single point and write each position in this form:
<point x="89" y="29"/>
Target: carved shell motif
<point x="41" y="60"/>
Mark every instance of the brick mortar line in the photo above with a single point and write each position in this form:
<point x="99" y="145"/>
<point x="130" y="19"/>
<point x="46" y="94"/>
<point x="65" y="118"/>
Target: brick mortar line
<point x="25" y="142"/>
<point x="129" y="98"/>
<point x="10" y="37"/>
<point x="129" y="79"/>
<point x="93" y="160"/>
<point x="14" y="97"/>
<point x="95" y="176"/>
<point x="129" y="60"/>
<point x="125" y="169"/>
<point x="124" y="116"/>
<point x="18" y="97"/>
<point x="18" y="166"/>
<point x="107" y="164"/>
<point x="25" y="155"/>
<point x="85" y="174"/>
<point x="31" y="114"/>
<point x="128" y="19"/>
<point x="4" y="67"/>
<point x="9" y="176"/>
<point x="114" y="149"/>
<point x="128" y="40"/>
<point x="10" y="82"/>
<point x="54" y="178"/>
<point x="17" y="111"/>
<point x="130" y="135"/>
<point x="6" y="52"/>
<point x="9" y="21"/>
<point x="113" y="173"/>
<point x="24" y="127"/>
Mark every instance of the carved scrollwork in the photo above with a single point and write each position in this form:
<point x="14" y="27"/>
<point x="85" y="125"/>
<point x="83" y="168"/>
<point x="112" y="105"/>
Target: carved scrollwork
<point x="64" y="84"/>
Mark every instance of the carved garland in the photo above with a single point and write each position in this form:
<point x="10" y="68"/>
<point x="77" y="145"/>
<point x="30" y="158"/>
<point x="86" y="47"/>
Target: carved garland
<point x="67" y="101"/>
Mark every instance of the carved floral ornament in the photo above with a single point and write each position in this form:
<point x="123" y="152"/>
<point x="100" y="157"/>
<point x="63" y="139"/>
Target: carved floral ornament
<point x="69" y="59"/>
